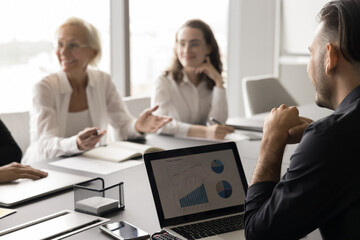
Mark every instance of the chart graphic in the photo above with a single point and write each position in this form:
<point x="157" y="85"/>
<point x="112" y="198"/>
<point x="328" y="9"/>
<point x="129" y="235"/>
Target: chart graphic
<point x="224" y="189"/>
<point x="195" y="197"/>
<point x="217" y="166"/>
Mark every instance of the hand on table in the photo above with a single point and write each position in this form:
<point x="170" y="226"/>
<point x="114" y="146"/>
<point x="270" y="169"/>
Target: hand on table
<point x="13" y="171"/>
<point x="218" y="131"/>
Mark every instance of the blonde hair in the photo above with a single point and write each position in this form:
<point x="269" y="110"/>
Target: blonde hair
<point x="92" y="36"/>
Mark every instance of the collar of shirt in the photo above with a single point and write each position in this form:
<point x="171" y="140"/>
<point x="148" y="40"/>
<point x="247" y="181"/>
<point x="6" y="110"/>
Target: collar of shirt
<point x="186" y="80"/>
<point x="350" y="98"/>
<point x="64" y="83"/>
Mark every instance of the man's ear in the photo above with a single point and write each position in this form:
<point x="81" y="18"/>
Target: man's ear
<point x="332" y="58"/>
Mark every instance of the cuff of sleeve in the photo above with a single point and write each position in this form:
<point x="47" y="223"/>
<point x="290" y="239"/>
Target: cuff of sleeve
<point x="257" y="194"/>
<point x="72" y="145"/>
<point x="218" y="92"/>
<point x="135" y="133"/>
<point x="183" y="129"/>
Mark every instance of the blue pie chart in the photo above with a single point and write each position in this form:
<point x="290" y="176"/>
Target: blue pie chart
<point x="224" y="189"/>
<point x="217" y="166"/>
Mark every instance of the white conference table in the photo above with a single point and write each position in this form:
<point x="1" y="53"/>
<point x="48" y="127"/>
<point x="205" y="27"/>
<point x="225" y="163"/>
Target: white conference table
<point x="139" y="205"/>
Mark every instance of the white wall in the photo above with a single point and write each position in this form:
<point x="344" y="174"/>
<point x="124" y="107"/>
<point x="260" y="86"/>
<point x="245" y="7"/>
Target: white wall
<point x="251" y="46"/>
<point x="293" y="76"/>
<point x="298" y="23"/>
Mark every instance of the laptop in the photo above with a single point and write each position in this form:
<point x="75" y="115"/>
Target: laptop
<point x="23" y="190"/>
<point x="203" y="186"/>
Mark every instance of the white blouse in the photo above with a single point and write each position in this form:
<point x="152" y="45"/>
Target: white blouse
<point x="48" y="118"/>
<point x="77" y="121"/>
<point x="187" y="104"/>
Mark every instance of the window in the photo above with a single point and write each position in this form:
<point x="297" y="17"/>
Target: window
<point x="153" y="25"/>
<point x="27" y="33"/>
<point x="299" y="21"/>
<point x="26" y="40"/>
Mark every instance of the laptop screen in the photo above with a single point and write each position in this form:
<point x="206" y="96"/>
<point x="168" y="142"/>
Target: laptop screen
<point x="196" y="183"/>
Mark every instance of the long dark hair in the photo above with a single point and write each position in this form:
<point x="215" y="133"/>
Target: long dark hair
<point x="343" y="18"/>
<point x="176" y="68"/>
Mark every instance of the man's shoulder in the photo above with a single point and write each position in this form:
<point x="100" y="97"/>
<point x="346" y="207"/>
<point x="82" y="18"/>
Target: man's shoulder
<point x="338" y="123"/>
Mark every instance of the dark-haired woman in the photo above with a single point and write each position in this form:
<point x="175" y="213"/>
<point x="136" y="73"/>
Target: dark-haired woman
<point x="192" y="90"/>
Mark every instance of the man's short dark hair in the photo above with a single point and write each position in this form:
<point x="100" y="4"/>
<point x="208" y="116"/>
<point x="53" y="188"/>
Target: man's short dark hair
<point x="343" y="17"/>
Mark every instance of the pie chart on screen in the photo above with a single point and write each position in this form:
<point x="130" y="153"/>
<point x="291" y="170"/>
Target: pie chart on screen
<point x="224" y="189"/>
<point x="217" y="166"/>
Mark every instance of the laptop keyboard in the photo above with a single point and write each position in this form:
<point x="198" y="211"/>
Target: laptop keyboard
<point x="163" y="235"/>
<point x="211" y="228"/>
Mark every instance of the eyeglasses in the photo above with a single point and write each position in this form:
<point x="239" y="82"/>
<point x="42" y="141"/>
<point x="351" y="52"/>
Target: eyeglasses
<point x="190" y="44"/>
<point x="73" y="47"/>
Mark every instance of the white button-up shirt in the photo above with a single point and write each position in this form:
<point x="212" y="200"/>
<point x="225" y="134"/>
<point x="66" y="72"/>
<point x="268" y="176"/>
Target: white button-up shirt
<point x="187" y="104"/>
<point x="48" y="118"/>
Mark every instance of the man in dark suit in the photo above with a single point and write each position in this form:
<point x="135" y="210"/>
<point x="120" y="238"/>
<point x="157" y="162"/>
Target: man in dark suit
<point x="321" y="188"/>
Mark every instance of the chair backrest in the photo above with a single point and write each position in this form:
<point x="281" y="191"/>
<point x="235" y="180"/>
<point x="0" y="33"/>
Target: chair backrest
<point x="18" y="125"/>
<point x="137" y="105"/>
<point x="262" y="93"/>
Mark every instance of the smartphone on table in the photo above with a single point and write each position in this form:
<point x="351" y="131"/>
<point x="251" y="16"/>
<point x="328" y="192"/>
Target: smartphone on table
<point x="124" y="231"/>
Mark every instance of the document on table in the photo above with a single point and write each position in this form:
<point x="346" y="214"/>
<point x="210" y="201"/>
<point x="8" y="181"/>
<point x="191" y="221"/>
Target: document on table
<point x="235" y="137"/>
<point x="5" y="212"/>
<point x="94" y="165"/>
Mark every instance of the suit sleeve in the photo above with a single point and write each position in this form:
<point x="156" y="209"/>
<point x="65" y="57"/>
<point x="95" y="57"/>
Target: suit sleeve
<point x="305" y="197"/>
<point x="9" y="150"/>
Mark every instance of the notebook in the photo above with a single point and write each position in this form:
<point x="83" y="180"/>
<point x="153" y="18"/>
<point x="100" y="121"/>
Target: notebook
<point x="23" y="190"/>
<point x="198" y="185"/>
<point x="120" y="151"/>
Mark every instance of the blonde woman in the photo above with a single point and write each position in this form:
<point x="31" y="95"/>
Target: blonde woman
<point x="72" y="108"/>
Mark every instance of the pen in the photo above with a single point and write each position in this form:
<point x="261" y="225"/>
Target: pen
<point x="215" y="121"/>
<point x="238" y="127"/>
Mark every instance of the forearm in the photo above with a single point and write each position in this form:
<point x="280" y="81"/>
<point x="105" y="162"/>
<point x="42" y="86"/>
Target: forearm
<point x="219" y="107"/>
<point x="175" y="128"/>
<point x="51" y="147"/>
<point x="219" y="82"/>
<point x="268" y="167"/>
<point x="197" y="131"/>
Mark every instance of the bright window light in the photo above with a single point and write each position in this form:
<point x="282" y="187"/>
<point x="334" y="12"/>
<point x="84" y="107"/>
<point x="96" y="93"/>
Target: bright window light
<point x="153" y="25"/>
<point x="26" y="49"/>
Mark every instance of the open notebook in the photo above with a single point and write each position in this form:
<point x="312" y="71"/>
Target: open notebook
<point x="120" y="151"/>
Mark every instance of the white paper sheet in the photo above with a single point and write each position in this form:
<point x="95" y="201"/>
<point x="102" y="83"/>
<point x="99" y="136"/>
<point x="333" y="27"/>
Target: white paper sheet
<point x="6" y="212"/>
<point x="94" y="165"/>
<point x="235" y="136"/>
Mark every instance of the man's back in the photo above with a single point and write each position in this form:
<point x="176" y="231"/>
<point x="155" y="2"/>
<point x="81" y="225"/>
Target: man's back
<point x="321" y="188"/>
<point x="328" y="154"/>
